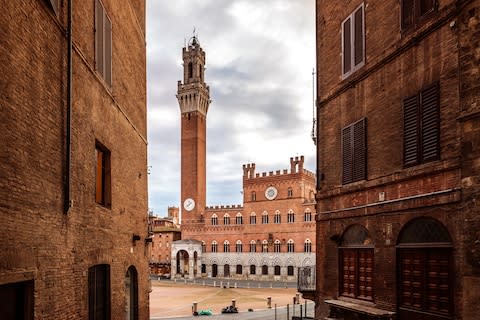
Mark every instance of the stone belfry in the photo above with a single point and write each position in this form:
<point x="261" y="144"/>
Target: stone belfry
<point x="193" y="96"/>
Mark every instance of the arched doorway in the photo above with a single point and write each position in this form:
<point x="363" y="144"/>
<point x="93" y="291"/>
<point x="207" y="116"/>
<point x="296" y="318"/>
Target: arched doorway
<point x="214" y="270"/>
<point x="182" y="262"/>
<point x="131" y="294"/>
<point x="424" y="271"/>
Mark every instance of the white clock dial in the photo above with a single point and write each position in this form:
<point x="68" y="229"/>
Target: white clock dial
<point x="271" y="193"/>
<point x="189" y="204"/>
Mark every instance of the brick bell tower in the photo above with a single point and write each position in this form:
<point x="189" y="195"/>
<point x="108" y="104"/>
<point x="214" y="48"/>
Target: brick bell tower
<point x="193" y="96"/>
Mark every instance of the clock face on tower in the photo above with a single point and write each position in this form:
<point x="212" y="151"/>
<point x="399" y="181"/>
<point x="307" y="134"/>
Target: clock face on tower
<point x="189" y="204"/>
<point x="271" y="193"/>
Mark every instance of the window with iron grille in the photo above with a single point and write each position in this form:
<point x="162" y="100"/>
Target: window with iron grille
<point x="103" y="43"/>
<point x="421" y="127"/>
<point x="354" y="153"/>
<point x="99" y="292"/>
<point x="353" y="42"/>
<point x="414" y="12"/>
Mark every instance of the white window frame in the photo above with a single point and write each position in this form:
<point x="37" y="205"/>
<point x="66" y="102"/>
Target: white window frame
<point x="353" y="67"/>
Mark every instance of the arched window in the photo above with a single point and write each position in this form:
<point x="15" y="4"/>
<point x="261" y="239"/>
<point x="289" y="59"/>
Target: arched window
<point x="253" y="269"/>
<point x="226" y="219"/>
<point x="239" y="218"/>
<point x="214" y="246"/>
<point x="307" y="215"/>
<point x="204" y="247"/>
<point x="290" y="246"/>
<point x="239" y="246"/>
<point x="276" y="270"/>
<point x="356" y="263"/>
<point x="239" y="269"/>
<point x="425" y="264"/>
<point x="290" y="192"/>
<point x="190" y="70"/>
<point x="253" y="218"/>
<point x="253" y="196"/>
<point x="226" y="246"/>
<point x="307" y="246"/>
<point x="264" y="270"/>
<point x="253" y="246"/>
<point x="131" y="294"/>
<point x="265" y="217"/>
<point x="290" y="271"/>
<point x="277" y="217"/>
<point x="214" y="220"/>
<point x="277" y="246"/>
<point x="264" y="246"/>
<point x="291" y="216"/>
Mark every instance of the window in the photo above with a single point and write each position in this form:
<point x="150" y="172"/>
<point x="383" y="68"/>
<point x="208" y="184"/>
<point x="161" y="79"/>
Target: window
<point x="277" y="246"/>
<point x="253" y="269"/>
<point x="239" y="269"/>
<point x="353" y="42"/>
<point x="415" y="11"/>
<point x="277" y="217"/>
<point x="103" y="43"/>
<point x="354" y="154"/>
<point x="291" y="217"/>
<point x="290" y="246"/>
<point x="190" y="70"/>
<point x="99" y="292"/>
<point x="264" y="270"/>
<point x="239" y="218"/>
<point x="356" y="264"/>
<point x="265" y="217"/>
<point x="264" y="246"/>
<point x="253" y="196"/>
<point x="239" y="246"/>
<point x="290" y="192"/>
<point x="204" y="268"/>
<point x="253" y="218"/>
<point x="226" y="219"/>
<point x="253" y="246"/>
<point x="290" y="271"/>
<point x="102" y="176"/>
<point x="214" y="220"/>
<point x="214" y="270"/>
<point x="276" y="270"/>
<point x="307" y="216"/>
<point x="307" y="246"/>
<point x="421" y="127"/>
<point x="204" y="247"/>
<point x="214" y="246"/>
<point x="226" y="270"/>
<point x="425" y="264"/>
<point x="226" y="246"/>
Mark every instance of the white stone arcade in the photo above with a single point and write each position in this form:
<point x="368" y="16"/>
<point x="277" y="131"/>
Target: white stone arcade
<point x="186" y="259"/>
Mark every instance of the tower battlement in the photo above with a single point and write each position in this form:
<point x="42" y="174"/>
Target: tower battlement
<point x="296" y="166"/>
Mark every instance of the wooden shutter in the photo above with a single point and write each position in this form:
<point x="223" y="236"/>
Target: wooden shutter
<point x="99" y="41"/>
<point x="358" y="40"/>
<point x="347" y="155"/>
<point x="99" y="177"/>
<point x="426" y="7"/>
<point x="365" y="274"/>
<point x="410" y="131"/>
<point x="347" y="45"/>
<point x="408" y="13"/>
<point x="359" y="150"/>
<point x="430" y="123"/>
<point x="108" y="50"/>
<point x="348" y="271"/>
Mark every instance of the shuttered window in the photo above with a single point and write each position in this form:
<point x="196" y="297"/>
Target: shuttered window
<point x="421" y="127"/>
<point x="415" y="11"/>
<point x="356" y="278"/>
<point x="353" y="42"/>
<point x="102" y="176"/>
<point x="354" y="153"/>
<point x="103" y="43"/>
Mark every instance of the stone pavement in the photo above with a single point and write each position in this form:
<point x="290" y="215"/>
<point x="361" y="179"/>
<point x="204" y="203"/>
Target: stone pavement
<point x="169" y="300"/>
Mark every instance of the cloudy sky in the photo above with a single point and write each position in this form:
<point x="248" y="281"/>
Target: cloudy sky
<point x="259" y="60"/>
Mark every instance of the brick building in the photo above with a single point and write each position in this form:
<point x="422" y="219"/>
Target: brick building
<point x="398" y="145"/>
<point x="267" y="237"/>
<point x="73" y="165"/>
<point x="164" y="231"/>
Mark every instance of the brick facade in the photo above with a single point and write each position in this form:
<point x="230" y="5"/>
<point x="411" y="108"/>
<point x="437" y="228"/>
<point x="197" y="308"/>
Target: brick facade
<point x="400" y="61"/>
<point x="48" y="254"/>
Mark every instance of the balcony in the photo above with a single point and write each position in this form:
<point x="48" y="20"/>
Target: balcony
<point x="306" y="282"/>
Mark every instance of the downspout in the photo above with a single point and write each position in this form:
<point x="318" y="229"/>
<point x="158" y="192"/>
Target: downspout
<point x="67" y="199"/>
<point x="317" y="104"/>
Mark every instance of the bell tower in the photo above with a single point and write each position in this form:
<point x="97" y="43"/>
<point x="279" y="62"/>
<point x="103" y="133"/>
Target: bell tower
<point x="193" y="97"/>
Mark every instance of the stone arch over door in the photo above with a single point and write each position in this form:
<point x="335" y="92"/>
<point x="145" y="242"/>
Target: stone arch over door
<point x="425" y="270"/>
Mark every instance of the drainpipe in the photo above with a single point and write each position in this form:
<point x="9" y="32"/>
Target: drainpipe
<point x="67" y="199"/>
<point x="317" y="104"/>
